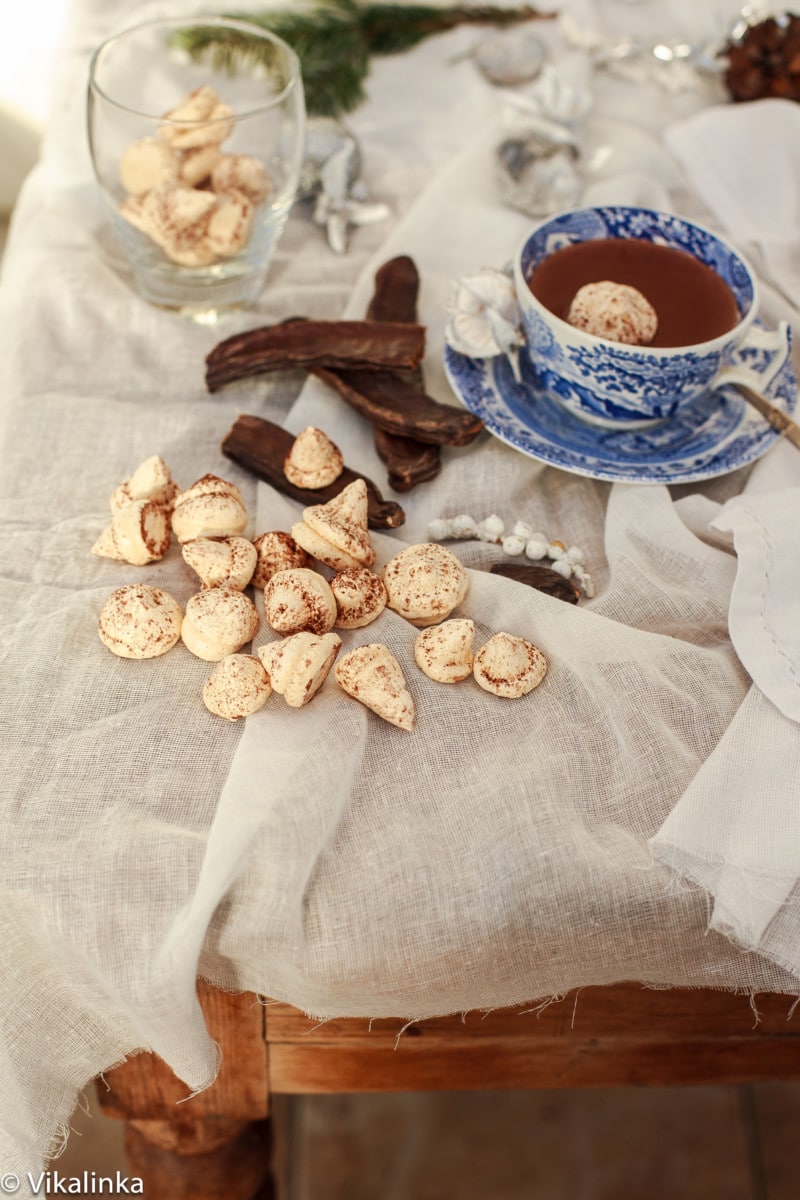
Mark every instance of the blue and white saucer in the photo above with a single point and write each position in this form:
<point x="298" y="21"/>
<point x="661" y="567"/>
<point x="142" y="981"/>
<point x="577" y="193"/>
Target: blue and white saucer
<point x="720" y="433"/>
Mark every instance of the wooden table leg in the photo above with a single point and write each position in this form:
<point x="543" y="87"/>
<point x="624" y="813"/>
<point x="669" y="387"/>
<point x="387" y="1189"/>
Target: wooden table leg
<point x="204" y="1159"/>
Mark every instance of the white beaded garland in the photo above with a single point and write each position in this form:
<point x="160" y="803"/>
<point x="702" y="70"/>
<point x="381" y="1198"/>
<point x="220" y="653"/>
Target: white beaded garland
<point x="491" y="529"/>
<point x="513" y="544"/>
<point x="536" y="546"/>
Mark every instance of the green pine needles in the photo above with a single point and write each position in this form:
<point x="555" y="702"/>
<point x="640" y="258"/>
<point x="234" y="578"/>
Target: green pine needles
<point x="336" y="40"/>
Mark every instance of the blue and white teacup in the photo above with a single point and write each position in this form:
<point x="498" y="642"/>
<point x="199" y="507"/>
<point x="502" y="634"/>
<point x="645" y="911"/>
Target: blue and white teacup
<point x="620" y="386"/>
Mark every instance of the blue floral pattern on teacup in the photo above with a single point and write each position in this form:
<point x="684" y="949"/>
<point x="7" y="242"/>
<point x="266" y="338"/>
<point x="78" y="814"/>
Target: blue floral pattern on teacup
<point x="608" y="381"/>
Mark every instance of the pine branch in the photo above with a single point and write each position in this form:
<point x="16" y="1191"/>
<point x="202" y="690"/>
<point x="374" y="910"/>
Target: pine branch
<point x="336" y="40"/>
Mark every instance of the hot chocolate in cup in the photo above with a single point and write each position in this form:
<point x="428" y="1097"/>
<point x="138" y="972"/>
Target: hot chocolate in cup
<point x="704" y="292"/>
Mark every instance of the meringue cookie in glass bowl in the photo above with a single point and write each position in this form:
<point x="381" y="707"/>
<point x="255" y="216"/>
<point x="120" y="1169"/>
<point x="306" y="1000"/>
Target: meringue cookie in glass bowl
<point x="197" y="159"/>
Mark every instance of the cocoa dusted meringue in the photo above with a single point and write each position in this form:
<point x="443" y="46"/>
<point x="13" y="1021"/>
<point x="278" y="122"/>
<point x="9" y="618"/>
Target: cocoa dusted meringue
<point x="444" y="652"/>
<point x="336" y="533"/>
<point x="221" y="562"/>
<point x="176" y="218"/>
<point x="197" y="165"/>
<point x="211" y="507"/>
<point x="298" y="665"/>
<point x="218" y="622"/>
<point x="313" y="461"/>
<point x="237" y="687"/>
<point x="138" y="534"/>
<point x="509" y="666"/>
<point x="615" y="311"/>
<point x="230" y="224"/>
<point x="372" y="675"/>
<point x="299" y="600"/>
<point x="147" y="163"/>
<point x="140" y="621"/>
<point x="152" y="480"/>
<point x="360" y="597"/>
<point x="277" y="551"/>
<point x="425" y="583"/>
<point x="241" y="173"/>
<point x="200" y="119"/>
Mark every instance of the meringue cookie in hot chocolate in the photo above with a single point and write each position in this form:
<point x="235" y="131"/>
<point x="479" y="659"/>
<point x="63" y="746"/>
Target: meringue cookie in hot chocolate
<point x="277" y="551"/>
<point x="200" y="119"/>
<point x="237" y="687"/>
<point x="444" y="652"/>
<point x="360" y="597"/>
<point x="211" y="507"/>
<point x="138" y="534"/>
<point x="615" y="311"/>
<point x="425" y="583"/>
<point x="298" y="665"/>
<point x="221" y="562"/>
<point x="218" y="622"/>
<point x="313" y="461"/>
<point x="299" y="600"/>
<point x="372" y="675"/>
<point x="139" y="621"/>
<point x="147" y="163"/>
<point x="509" y="666"/>
<point x="336" y="533"/>
<point x="244" y="173"/>
<point x="151" y="480"/>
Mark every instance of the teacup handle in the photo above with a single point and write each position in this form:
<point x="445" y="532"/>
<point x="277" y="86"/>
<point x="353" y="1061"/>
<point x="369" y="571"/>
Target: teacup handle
<point x="774" y="341"/>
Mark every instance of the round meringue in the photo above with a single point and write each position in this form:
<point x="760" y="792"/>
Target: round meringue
<point x="337" y="533"/>
<point x="221" y="562"/>
<point x="277" y="551"/>
<point x="218" y="622"/>
<point x="360" y="597"/>
<point x="211" y="507"/>
<point x="425" y="583"/>
<point x="298" y="665"/>
<point x="140" y="621"/>
<point x="244" y="173"/>
<point x="237" y="687"/>
<point x="139" y="534"/>
<point x="444" y="652"/>
<point x="313" y="461"/>
<point x="372" y="675"/>
<point x="615" y="311"/>
<point x="509" y="666"/>
<point x="299" y="600"/>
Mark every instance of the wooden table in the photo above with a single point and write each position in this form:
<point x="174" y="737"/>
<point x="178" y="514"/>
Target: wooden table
<point x="229" y="1140"/>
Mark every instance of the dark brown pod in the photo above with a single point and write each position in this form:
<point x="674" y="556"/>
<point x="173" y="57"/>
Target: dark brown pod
<point x="544" y="579"/>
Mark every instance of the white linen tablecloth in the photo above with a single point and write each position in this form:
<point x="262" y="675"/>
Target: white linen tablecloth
<point x="497" y="854"/>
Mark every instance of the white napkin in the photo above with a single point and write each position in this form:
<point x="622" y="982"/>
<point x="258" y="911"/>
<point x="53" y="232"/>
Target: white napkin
<point x="743" y="160"/>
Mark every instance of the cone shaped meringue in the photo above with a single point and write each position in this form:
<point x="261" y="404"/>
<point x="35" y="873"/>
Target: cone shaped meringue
<point x="139" y="621"/>
<point x="298" y="601"/>
<point x="425" y="583"/>
<point x="336" y="533"/>
<point x="152" y="480"/>
<point x="360" y="597"/>
<point x="236" y="687"/>
<point x="221" y="562"/>
<point x="218" y="622"/>
<point x="298" y="666"/>
<point x="313" y="461"/>
<point x="372" y="675"/>
<point x="444" y="652"/>
<point x="509" y="666"/>
<point x="138" y="534"/>
<point x="211" y="507"/>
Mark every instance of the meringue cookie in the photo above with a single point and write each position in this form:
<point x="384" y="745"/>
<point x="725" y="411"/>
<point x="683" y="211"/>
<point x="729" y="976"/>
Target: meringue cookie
<point x="360" y="597"/>
<point x="221" y="562"/>
<point x="277" y="551"/>
<point x="509" y="666"/>
<point x="299" y="600"/>
<point x="244" y="173"/>
<point x="230" y="224"/>
<point x="218" y="622"/>
<point x="425" y="583"/>
<point x="298" y="665"/>
<point x="313" y="461"/>
<point x="200" y="119"/>
<point x="211" y="507"/>
<point x="336" y="533"/>
<point x="372" y="675"/>
<point x="147" y="163"/>
<point x="444" y="652"/>
<point x="139" y="621"/>
<point x="152" y="480"/>
<point x="197" y="165"/>
<point x="176" y="218"/>
<point x="615" y="311"/>
<point x="236" y="687"/>
<point x="138" y="534"/>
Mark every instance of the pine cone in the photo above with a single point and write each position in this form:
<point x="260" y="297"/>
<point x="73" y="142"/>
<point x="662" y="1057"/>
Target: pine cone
<point x="765" y="60"/>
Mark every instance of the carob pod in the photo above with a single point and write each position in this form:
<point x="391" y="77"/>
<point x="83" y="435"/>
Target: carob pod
<point x="291" y="344"/>
<point x="544" y="579"/>
<point x="408" y="461"/>
<point x="262" y="447"/>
